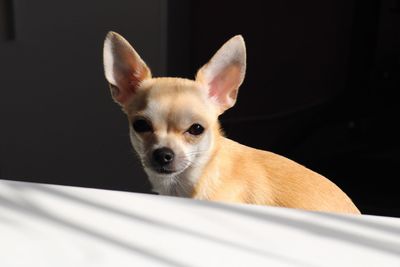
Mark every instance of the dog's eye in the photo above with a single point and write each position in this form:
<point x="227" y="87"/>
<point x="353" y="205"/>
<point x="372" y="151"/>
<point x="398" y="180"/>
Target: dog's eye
<point x="142" y="126"/>
<point x="196" y="129"/>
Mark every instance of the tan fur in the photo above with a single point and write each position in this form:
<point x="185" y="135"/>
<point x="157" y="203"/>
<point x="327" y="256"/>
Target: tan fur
<point x="244" y="174"/>
<point x="209" y="166"/>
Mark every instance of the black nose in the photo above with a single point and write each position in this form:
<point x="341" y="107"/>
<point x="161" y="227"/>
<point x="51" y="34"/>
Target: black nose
<point x="163" y="156"/>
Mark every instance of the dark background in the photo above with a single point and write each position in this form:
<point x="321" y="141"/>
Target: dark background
<point x="320" y="86"/>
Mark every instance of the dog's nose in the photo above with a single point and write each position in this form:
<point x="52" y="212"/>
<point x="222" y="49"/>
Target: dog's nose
<point x="163" y="156"/>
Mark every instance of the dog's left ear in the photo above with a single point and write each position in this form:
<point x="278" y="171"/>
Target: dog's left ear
<point x="224" y="73"/>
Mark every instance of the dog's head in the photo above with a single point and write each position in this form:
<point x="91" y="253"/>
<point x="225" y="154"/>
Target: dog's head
<point x="173" y="121"/>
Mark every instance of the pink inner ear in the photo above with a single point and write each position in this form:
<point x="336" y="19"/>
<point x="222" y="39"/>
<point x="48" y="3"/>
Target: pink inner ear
<point x="223" y="86"/>
<point x="129" y="84"/>
<point x="123" y="96"/>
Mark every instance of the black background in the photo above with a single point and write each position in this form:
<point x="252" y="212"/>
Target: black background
<point x="320" y="86"/>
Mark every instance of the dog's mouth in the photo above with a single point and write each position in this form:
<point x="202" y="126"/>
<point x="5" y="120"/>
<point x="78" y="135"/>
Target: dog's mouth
<point x="163" y="170"/>
<point x="174" y="168"/>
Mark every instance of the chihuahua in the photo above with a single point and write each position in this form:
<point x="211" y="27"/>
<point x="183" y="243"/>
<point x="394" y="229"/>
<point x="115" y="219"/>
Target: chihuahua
<point x="174" y="128"/>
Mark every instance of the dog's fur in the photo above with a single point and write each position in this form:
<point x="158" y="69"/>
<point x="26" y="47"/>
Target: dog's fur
<point x="167" y="112"/>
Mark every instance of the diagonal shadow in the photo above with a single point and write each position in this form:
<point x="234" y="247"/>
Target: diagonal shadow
<point x="374" y="225"/>
<point x="7" y="221"/>
<point x="28" y="208"/>
<point x="170" y="227"/>
<point x="313" y="228"/>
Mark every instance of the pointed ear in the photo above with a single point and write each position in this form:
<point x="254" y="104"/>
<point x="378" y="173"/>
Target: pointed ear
<point x="224" y="73"/>
<point x="123" y="68"/>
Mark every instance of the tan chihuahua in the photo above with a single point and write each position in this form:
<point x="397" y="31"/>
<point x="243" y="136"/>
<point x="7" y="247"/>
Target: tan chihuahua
<point x="174" y="129"/>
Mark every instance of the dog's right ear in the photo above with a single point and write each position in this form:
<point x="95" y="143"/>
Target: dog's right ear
<point x="123" y="68"/>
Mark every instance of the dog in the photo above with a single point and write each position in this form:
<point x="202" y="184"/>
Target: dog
<point x="174" y="128"/>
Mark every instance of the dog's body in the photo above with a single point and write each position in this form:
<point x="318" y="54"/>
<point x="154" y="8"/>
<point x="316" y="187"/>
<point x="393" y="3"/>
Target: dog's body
<point x="175" y="130"/>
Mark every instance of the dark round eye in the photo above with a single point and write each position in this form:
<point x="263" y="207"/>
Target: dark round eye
<point x="142" y="126"/>
<point x="196" y="129"/>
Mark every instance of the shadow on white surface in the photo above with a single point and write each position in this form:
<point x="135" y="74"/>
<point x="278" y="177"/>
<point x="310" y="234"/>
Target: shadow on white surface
<point x="6" y="220"/>
<point x="28" y="207"/>
<point x="281" y="237"/>
<point x="356" y="220"/>
<point x="320" y="229"/>
<point x="22" y="202"/>
<point x="164" y="225"/>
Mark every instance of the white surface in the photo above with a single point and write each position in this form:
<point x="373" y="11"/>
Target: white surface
<point x="46" y="225"/>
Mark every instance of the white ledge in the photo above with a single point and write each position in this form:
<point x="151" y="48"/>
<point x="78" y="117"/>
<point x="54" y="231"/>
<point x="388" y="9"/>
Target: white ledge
<point x="48" y="225"/>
